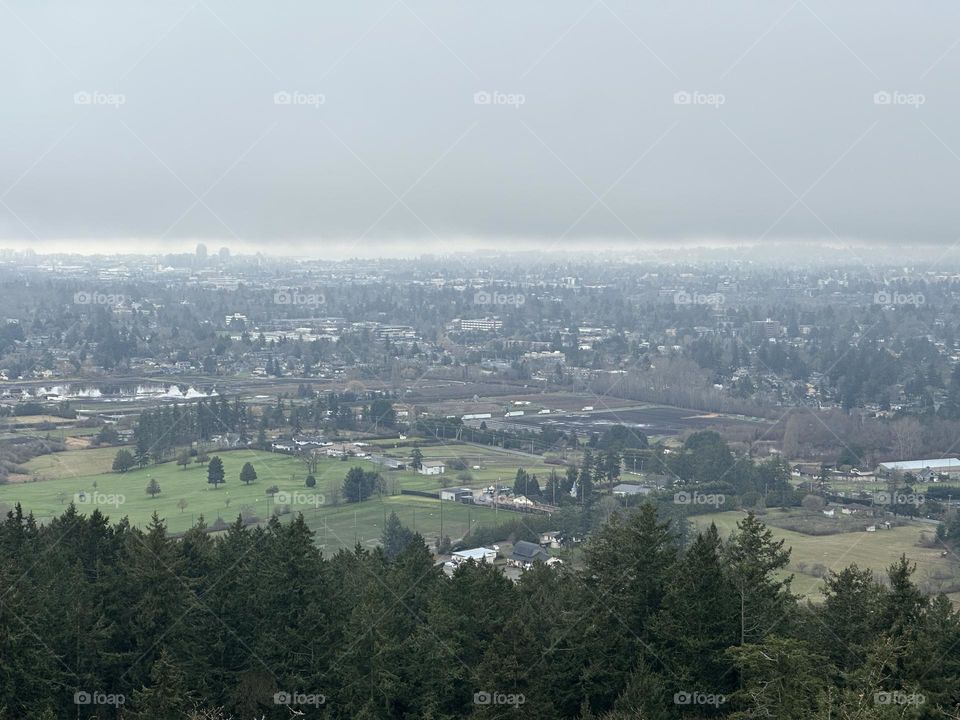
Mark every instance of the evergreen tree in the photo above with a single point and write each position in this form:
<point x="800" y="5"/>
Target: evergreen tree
<point x="395" y="537"/>
<point x="754" y="558"/>
<point x="168" y="694"/>
<point x="215" y="473"/>
<point x="627" y="565"/>
<point x="141" y="453"/>
<point x="698" y="620"/>
<point x="247" y="474"/>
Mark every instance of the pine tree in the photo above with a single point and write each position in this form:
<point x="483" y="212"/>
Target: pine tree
<point x="698" y="620"/>
<point x="167" y="696"/>
<point x="141" y="453"/>
<point x="396" y="536"/>
<point x="215" y="473"/>
<point x="627" y="566"/>
<point x="754" y="557"/>
<point x="247" y="474"/>
<point x="847" y="617"/>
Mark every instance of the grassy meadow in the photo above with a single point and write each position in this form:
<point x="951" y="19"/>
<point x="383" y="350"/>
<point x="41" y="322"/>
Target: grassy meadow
<point x="875" y="550"/>
<point x="53" y="481"/>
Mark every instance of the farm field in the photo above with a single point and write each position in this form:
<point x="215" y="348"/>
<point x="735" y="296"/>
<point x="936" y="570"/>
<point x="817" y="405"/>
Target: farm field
<point x="71" y="464"/>
<point x="876" y="551"/>
<point x="57" y="479"/>
<point x="494" y="465"/>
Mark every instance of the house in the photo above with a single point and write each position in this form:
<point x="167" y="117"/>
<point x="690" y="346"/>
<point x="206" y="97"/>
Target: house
<point x="480" y="555"/>
<point x="806" y="470"/>
<point x="829" y="513"/>
<point x="432" y="467"/>
<point x="551" y="539"/>
<point x="929" y="475"/>
<point x="525" y="554"/>
<point x="305" y="442"/>
<point x="458" y="494"/>
<point x="341" y="449"/>
<point x="628" y="490"/>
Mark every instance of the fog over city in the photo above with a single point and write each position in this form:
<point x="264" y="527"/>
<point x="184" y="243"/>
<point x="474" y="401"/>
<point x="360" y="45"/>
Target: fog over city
<point x="421" y="360"/>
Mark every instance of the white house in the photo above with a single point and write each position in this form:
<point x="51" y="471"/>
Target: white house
<point x="432" y="467"/>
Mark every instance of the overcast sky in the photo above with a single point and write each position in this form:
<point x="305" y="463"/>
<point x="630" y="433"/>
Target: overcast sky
<point x="138" y="124"/>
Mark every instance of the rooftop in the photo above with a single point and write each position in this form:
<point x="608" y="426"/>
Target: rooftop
<point x="909" y="465"/>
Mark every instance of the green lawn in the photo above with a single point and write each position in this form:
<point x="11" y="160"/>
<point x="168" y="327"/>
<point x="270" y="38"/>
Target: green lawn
<point x="57" y="479"/>
<point x="877" y="551"/>
<point x="342" y="526"/>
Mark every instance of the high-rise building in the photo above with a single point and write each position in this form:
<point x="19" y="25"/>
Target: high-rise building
<point x="201" y="251"/>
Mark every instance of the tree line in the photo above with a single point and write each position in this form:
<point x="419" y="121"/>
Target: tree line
<point x="115" y="621"/>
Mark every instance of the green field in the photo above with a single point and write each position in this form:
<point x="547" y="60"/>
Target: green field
<point x="494" y="465"/>
<point x="876" y="550"/>
<point x="55" y="480"/>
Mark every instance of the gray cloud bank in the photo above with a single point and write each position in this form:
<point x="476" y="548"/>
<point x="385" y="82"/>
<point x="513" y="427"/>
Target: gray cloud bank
<point x="357" y="124"/>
